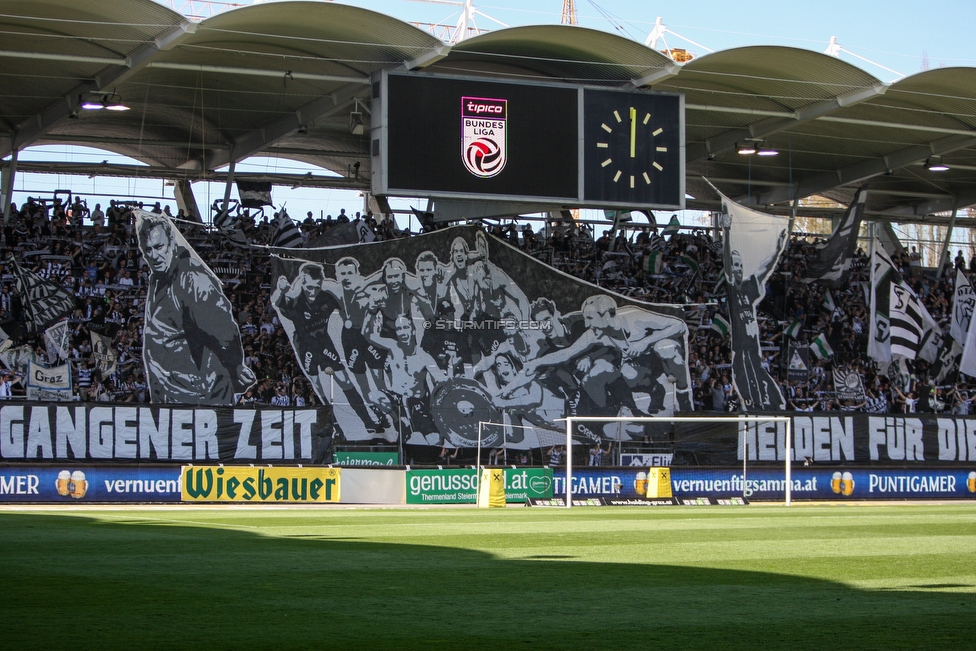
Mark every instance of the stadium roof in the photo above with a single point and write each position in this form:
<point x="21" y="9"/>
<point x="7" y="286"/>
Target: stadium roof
<point x="280" y="79"/>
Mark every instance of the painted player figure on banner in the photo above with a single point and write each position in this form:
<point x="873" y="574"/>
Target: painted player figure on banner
<point x="615" y="356"/>
<point x="413" y="373"/>
<point x="192" y="346"/>
<point x="756" y="387"/>
<point x="524" y="405"/>
<point x="364" y="361"/>
<point x="309" y="302"/>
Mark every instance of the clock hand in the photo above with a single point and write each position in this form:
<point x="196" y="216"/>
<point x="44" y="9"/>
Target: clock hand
<point x="633" y="132"/>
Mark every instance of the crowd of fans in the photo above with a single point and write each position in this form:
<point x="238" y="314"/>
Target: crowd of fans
<point x="95" y="255"/>
<point x="687" y="270"/>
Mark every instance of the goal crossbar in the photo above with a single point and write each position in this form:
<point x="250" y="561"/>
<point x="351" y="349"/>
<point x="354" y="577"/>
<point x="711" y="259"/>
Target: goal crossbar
<point x="672" y="419"/>
<point x="483" y="423"/>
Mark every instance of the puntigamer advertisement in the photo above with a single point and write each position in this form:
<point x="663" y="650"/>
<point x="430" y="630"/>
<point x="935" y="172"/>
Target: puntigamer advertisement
<point x="76" y="484"/>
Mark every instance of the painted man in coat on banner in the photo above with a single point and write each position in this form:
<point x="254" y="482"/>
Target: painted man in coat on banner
<point x="192" y="346"/>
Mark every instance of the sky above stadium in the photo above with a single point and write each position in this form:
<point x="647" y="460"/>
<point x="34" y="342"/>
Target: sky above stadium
<point x="899" y="34"/>
<point x="890" y="40"/>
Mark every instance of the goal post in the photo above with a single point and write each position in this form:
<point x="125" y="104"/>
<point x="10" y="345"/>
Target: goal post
<point x="481" y="428"/>
<point x="786" y="420"/>
<point x="482" y="424"/>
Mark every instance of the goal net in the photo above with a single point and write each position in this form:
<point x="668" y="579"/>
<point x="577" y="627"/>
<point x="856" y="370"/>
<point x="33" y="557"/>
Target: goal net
<point x="712" y="454"/>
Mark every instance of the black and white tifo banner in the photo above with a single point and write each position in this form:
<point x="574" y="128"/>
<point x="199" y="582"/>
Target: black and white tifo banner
<point x="829" y="438"/>
<point x="753" y="243"/>
<point x="423" y="338"/>
<point x="192" y="349"/>
<point x="87" y="432"/>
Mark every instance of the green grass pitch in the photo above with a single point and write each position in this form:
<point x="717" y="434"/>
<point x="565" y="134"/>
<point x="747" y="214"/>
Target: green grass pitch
<point x="842" y="577"/>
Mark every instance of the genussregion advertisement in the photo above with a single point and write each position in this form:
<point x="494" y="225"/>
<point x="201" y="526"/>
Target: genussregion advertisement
<point x="770" y="484"/>
<point x="79" y="484"/>
<point x="460" y="486"/>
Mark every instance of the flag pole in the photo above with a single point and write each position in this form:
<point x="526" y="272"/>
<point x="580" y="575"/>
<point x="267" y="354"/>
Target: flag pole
<point x="873" y="308"/>
<point x="62" y="347"/>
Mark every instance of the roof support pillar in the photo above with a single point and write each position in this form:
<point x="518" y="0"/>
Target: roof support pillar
<point x="186" y="201"/>
<point x="946" y="252"/>
<point x="793" y="206"/>
<point x="7" y="186"/>
<point x="230" y="182"/>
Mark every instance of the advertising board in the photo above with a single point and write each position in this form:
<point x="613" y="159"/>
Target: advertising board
<point x="253" y="484"/>
<point x="770" y="484"/>
<point x="828" y="484"/>
<point x="76" y="484"/>
<point x="459" y="486"/>
<point x="367" y="458"/>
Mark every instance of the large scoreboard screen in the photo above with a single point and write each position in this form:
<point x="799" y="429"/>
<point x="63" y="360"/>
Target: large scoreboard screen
<point x="479" y="139"/>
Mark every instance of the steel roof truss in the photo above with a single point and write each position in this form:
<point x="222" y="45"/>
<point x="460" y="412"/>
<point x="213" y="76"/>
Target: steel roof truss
<point x="36" y="126"/>
<point x="260" y="139"/>
<point x="759" y="130"/>
<point x="866" y="169"/>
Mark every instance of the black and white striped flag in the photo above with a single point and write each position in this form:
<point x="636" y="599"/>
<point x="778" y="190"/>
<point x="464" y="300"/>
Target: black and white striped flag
<point x="287" y="234"/>
<point x="227" y="224"/>
<point x="905" y="315"/>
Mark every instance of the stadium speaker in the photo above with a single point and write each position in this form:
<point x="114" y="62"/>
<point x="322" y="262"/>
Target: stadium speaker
<point x="356" y="125"/>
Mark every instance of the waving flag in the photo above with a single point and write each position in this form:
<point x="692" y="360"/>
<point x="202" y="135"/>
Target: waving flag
<point x="254" y="194"/>
<point x="45" y="302"/>
<point x="833" y="260"/>
<point x="287" y="234"/>
<point x="905" y="315"/>
<point x="673" y="227"/>
<point x="820" y="347"/>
